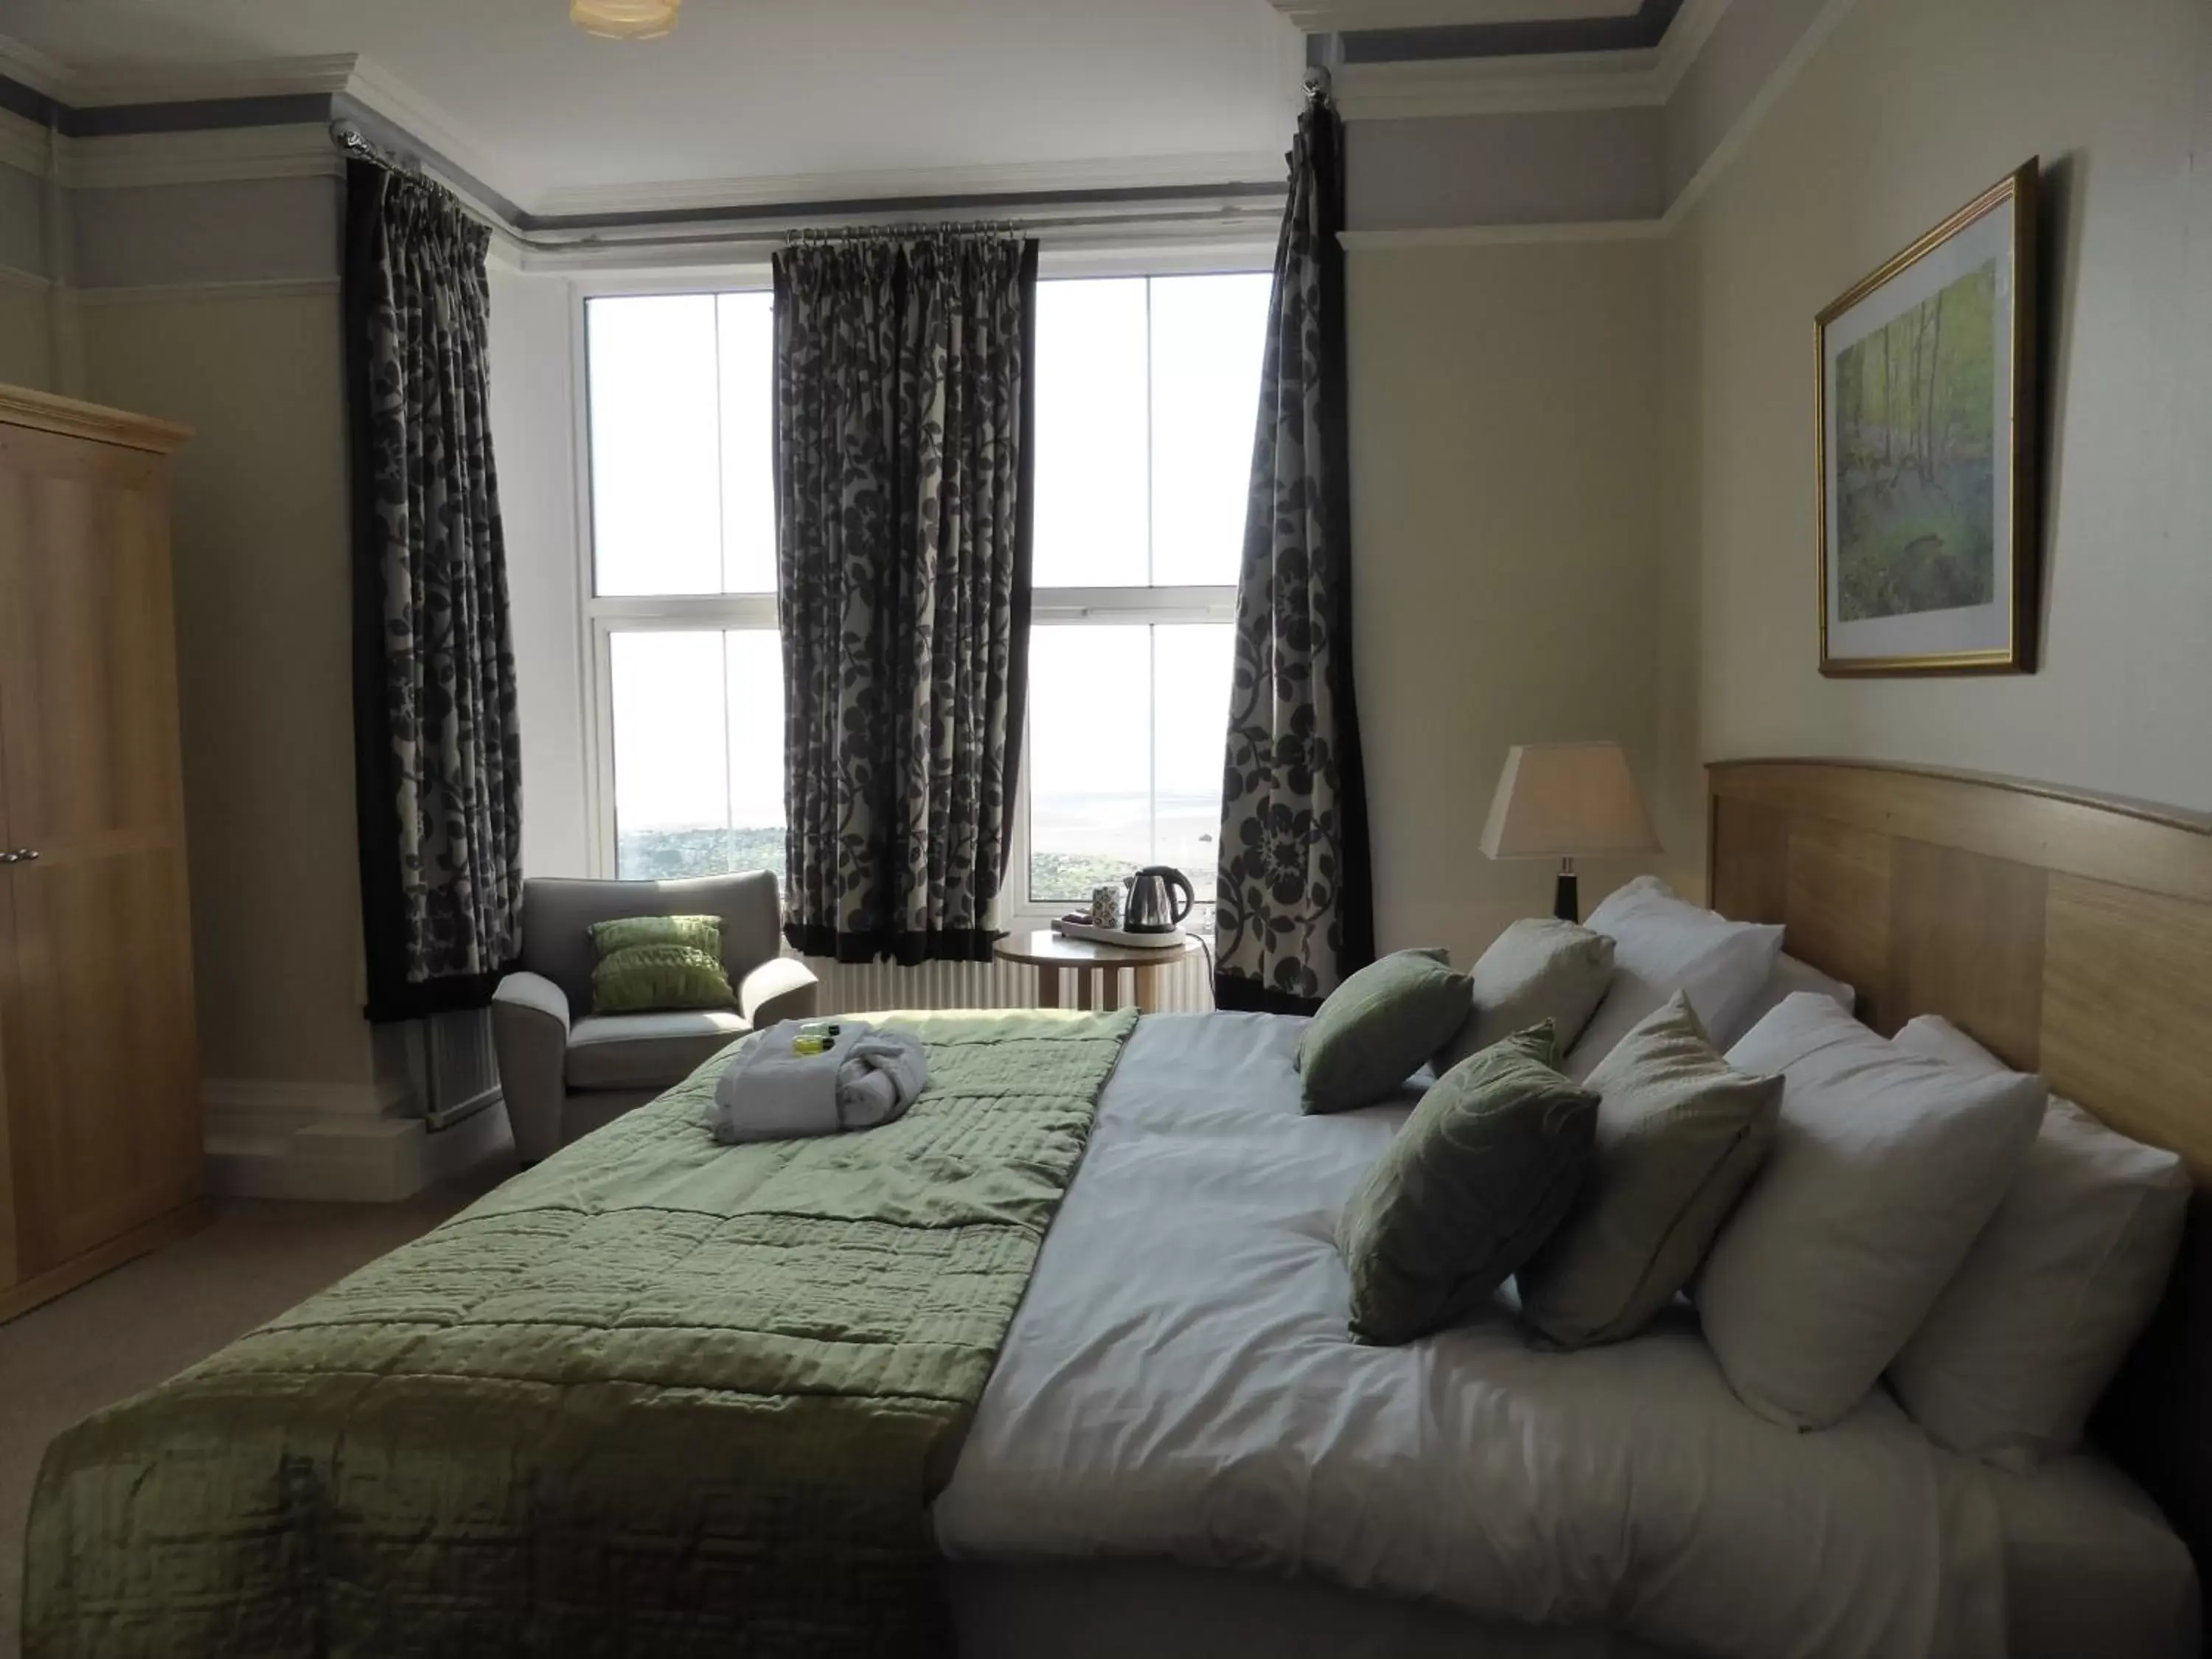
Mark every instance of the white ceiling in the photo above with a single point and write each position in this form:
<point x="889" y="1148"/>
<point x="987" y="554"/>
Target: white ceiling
<point x="889" y="93"/>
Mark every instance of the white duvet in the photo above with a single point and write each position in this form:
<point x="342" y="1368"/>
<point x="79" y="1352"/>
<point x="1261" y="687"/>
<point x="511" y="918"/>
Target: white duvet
<point x="1179" y="1383"/>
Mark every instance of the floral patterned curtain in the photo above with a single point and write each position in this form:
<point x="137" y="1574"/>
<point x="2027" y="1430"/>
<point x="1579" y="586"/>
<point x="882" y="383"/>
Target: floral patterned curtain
<point x="1294" y="912"/>
<point x="904" y="401"/>
<point x="437" y="751"/>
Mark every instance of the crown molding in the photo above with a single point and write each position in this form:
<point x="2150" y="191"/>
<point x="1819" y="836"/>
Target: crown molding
<point x="223" y="156"/>
<point x="1010" y="179"/>
<point x="1416" y="90"/>
<point x="377" y="88"/>
<point x="1335" y="16"/>
<point x="24" y="145"/>
<point x="179" y="83"/>
<point x="42" y="74"/>
<point x="1449" y="236"/>
<point x="1685" y="37"/>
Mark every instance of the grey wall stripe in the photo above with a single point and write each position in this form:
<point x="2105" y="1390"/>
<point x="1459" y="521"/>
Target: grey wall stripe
<point x="1645" y="29"/>
<point x="197" y="115"/>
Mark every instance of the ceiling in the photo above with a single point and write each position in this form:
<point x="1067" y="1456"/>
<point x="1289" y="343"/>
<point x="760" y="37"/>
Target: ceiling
<point x="895" y="92"/>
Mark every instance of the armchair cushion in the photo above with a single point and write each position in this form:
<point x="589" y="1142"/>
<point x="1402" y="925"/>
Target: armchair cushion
<point x="648" y="1051"/>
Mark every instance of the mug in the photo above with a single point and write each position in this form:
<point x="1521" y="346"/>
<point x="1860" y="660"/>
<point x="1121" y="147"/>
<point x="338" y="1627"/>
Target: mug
<point x="1106" y="906"/>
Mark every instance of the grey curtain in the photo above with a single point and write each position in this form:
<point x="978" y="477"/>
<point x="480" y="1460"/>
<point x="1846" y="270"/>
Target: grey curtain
<point x="1295" y="913"/>
<point x="904" y="405"/>
<point x="437" y="751"/>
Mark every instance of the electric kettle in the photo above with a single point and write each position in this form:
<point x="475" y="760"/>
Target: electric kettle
<point x="1151" y="906"/>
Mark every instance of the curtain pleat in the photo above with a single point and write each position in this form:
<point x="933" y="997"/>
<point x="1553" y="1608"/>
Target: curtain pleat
<point x="902" y="419"/>
<point x="1294" y="912"/>
<point x="437" y="749"/>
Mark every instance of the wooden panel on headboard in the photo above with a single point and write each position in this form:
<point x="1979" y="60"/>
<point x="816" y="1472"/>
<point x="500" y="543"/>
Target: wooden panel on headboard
<point x="2068" y="933"/>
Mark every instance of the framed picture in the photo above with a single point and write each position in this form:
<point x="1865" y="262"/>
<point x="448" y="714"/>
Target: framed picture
<point x="1927" y="437"/>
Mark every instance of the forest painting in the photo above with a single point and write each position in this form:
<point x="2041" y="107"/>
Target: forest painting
<point x="1916" y="458"/>
<point x="1927" y="420"/>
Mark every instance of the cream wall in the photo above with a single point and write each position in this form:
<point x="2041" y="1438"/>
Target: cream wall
<point x="533" y="403"/>
<point x="1908" y="109"/>
<point x="1504" y="492"/>
<point x="263" y="605"/>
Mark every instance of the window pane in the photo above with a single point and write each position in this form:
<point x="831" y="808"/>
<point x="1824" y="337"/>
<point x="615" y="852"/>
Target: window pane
<point x="747" y="330"/>
<point x="1207" y="337"/>
<point x="698" y="731"/>
<point x="656" y="495"/>
<point x="1192" y="666"/>
<point x="1091" y="438"/>
<point x="1089" y="758"/>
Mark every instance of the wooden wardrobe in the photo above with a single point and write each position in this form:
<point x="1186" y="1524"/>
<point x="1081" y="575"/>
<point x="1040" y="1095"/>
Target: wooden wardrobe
<point x="100" y="1118"/>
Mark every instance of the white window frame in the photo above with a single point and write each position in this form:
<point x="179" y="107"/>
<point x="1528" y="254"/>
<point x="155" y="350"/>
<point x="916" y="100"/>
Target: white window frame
<point x="601" y="618"/>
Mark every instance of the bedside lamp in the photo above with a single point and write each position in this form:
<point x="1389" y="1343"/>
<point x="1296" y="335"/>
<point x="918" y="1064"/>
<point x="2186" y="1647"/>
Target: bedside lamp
<point x="1564" y="801"/>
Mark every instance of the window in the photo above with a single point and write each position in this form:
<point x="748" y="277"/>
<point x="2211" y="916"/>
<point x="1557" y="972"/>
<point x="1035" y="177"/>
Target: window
<point x="684" y="579"/>
<point x="1147" y="389"/>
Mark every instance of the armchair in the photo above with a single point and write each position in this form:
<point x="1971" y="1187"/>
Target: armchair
<point x="565" y="1070"/>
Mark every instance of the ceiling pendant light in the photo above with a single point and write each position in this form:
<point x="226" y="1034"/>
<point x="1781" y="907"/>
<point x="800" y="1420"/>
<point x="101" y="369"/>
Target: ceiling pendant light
<point x="624" y="20"/>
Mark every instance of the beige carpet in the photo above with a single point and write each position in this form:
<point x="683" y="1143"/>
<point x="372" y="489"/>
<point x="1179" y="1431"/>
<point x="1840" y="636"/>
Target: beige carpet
<point x="150" y="1318"/>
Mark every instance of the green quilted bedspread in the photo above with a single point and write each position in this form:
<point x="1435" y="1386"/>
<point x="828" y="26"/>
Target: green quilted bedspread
<point x="655" y="1396"/>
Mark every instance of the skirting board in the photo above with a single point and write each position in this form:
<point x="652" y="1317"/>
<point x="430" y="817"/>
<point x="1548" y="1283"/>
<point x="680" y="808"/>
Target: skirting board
<point x="101" y="1258"/>
<point x="335" y="1144"/>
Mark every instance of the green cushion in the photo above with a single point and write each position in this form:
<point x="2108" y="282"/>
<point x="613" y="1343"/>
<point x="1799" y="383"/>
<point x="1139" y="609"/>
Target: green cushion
<point x="653" y="978"/>
<point x="1377" y="1028"/>
<point x="700" y="932"/>
<point x="1483" y="1171"/>
<point x="1679" y="1134"/>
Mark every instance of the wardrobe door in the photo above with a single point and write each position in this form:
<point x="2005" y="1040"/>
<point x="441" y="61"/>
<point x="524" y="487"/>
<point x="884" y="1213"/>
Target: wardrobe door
<point x="101" y="1072"/>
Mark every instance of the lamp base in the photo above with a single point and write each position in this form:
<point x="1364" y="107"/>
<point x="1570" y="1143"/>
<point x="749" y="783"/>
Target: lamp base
<point x="1566" y="900"/>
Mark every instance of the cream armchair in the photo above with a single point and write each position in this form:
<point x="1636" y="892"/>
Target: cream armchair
<point x="565" y="1070"/>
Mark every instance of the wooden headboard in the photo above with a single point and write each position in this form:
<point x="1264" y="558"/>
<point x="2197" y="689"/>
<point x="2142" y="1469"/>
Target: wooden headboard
<point x="2072" y="935"/>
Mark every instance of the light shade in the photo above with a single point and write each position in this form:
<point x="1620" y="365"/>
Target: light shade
<point x="1566" y="800"/>
<point x="624" y="20"/>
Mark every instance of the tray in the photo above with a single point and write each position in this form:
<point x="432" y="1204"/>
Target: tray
<point x="1084" y="930"/>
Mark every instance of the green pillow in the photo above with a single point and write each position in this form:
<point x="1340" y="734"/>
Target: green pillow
<point x="1473" y="1184"/>
<point x="649" y="964"/>
<point x="653" y="978"/>
<point x="1679" y="1134"/>
<point x="699" y="932"/>
<point x="1377" y="1028"/>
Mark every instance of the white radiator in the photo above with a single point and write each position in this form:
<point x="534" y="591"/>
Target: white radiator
<point x="872" y="987"/>
<point x="456" y="1073"/>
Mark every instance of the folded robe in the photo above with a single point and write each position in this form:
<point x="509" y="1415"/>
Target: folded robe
<point x="768" y="1092"/>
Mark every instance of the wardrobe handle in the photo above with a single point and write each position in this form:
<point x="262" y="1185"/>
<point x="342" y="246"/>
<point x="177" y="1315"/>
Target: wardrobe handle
<point x="20" y="855"/>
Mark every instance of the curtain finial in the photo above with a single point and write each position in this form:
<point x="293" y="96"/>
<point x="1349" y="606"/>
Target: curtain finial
<point x="1317" y="83"/>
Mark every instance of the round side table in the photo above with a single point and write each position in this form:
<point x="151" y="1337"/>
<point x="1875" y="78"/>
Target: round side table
<point x="1098" y="968"/>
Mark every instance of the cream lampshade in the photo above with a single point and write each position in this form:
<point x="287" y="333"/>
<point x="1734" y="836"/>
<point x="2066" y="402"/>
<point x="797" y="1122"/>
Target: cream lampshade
<point x="1566" y="800"/>
<point x="624" y="20"/>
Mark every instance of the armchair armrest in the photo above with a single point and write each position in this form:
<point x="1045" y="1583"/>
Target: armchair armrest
<point x="782" y="987"/>
<point x="530" y="1035"/>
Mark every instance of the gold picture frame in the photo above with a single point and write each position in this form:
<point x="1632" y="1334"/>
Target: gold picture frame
<point x="1925" y="451"/>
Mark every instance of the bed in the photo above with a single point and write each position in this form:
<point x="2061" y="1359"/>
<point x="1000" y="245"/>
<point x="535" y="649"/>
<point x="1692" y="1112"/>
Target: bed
<point x="1178" y="1451"/>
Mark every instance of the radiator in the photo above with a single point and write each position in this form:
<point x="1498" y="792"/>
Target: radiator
<point x="872" y="987"/>
<point x="456" y="1073"/>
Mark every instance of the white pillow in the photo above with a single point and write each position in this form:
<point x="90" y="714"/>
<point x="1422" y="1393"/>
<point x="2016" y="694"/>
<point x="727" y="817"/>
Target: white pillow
<point x="1885" y="1166"/>
<point x="1789" y="976"/>
<point x="1662" y="945"/>
<point x="2016" y="1350"/>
